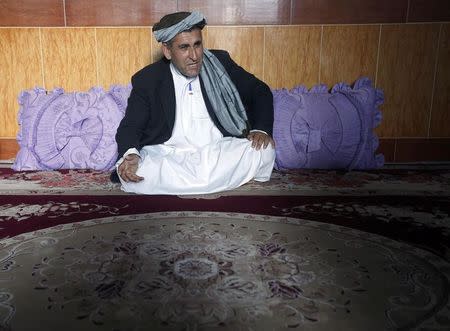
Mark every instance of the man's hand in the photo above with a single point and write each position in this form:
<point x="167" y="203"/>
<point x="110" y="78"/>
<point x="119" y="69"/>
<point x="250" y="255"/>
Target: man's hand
<point x="260" y="139"/>
<point x="128" y="168"/>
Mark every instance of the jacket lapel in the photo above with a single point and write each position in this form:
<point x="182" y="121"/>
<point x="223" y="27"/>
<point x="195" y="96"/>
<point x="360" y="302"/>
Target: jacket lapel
<point x="167" y="97"/>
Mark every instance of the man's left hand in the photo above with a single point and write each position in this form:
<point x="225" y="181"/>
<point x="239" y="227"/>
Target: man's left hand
<point x="260" y="139"/>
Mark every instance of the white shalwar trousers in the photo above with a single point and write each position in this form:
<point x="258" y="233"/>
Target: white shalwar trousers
<point x="222" y="165"/>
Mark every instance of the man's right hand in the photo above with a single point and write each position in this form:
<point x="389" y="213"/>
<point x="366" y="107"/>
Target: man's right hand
<point x="128" y="168"/>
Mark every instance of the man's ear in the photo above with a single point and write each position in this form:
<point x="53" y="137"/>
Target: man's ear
<point x="166" y="51"/>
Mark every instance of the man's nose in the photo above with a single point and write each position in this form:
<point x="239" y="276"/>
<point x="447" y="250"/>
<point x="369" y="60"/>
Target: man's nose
<point x="193" y="54"/>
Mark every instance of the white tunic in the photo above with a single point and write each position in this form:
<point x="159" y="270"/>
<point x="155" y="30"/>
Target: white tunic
<point x="197" y="159"/>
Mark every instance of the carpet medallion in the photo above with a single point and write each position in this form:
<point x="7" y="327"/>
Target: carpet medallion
<point x="201" y="270"/>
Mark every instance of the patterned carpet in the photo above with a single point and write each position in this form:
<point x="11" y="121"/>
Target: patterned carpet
<point x="310" y="250"/>
<point x="434" y="181"/>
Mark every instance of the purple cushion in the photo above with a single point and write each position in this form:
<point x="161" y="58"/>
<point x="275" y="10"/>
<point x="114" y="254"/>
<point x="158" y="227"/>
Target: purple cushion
<point x="75" y="130"/>
<point x="327" y="130"/>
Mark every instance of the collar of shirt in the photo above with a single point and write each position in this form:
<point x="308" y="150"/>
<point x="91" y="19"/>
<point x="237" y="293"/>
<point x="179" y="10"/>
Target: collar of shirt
<point x="182" y="83"/>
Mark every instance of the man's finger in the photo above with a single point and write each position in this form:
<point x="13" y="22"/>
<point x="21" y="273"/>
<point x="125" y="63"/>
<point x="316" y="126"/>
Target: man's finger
<point x="135" y="178"/>
<point x="125" y="176"/>
<point x="255" y="139"/>
<point x="259" y="143"/>
<point x="131" y="177"/>
<point x="128" y="175"/>
<point x="255" y="143"/>
<point x="132" y="157"/>
<point x="260" y="140"/>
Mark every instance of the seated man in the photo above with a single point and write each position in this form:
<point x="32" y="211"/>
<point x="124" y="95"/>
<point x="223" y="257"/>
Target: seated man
<point x="196" y="122"/>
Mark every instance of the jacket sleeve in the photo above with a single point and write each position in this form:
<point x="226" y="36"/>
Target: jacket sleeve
<point x="255" y="94"/>
<point x="136" y="117"/>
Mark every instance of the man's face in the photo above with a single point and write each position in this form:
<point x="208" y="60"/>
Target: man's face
<point x="186" y="52"/>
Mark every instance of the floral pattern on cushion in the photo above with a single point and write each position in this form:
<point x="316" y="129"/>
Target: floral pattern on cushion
<point x="76" y="130"/>
<point x="327" y="130"/>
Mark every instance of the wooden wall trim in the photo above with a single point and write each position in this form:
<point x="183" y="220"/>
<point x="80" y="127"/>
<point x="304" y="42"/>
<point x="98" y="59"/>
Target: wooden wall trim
<point x="8" y="148"/>
<point x="401" y="150"/>
<point x="218" y="12"/>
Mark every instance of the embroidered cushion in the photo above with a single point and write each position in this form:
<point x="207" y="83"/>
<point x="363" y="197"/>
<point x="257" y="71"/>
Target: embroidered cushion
<point x="75" y="130"/>
<point x="327" y="130"/>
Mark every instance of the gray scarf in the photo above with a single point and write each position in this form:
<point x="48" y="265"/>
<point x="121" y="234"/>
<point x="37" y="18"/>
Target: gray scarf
<point x="221" y="91"/>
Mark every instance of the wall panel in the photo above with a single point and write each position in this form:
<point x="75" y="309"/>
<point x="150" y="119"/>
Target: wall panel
<point x="338" y="64"/>
<point x="69" y="58"/>
<point x="156" y="50"/>
<point x="240" y="11"/>
<point x="121" y="52"/>
<point x="117" y="12"/>
<point x="20" y="68"/>
<point x="291" y="56"/>
<point x="32" y="13"/>
<point x="440" y="112"/>
<point x="406" y="71"/>
<point x="247" y="48"/>
<point x="348" y="11"/>
<point x="429" y="10"/>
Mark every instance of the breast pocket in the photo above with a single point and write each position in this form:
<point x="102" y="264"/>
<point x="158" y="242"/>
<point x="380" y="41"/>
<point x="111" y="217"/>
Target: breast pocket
<point x="199" y="111"/>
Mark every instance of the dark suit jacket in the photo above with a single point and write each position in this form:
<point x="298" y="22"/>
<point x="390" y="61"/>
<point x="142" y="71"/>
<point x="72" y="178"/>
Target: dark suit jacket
<point x="150" y="115"/>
